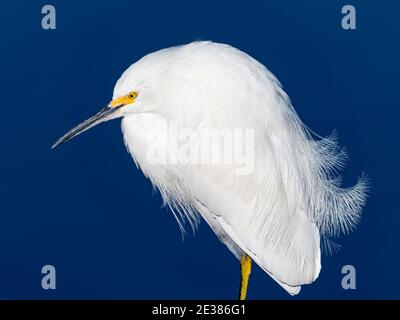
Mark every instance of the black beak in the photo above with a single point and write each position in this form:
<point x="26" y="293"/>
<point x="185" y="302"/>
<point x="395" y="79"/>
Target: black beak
<point x="103" y="115"/>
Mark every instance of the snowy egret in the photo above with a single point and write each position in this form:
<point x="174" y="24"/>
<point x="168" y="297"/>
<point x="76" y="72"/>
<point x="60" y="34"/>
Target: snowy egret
<point x="279" y="211"/>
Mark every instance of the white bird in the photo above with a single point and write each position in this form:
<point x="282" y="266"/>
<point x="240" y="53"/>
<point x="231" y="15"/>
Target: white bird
<point x="279" y="211"/>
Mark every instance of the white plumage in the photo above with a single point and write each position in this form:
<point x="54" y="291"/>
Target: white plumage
<point x="278" y="213"/>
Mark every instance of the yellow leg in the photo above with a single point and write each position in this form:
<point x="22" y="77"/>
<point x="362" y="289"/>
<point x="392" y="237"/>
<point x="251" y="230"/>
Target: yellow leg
<point x="245" y="267"/>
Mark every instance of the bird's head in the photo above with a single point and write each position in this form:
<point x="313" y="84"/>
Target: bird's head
<point x="118" y="107"/>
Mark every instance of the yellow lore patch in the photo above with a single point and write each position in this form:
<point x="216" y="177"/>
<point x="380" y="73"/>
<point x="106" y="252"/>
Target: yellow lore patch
<point x="124" y="100"/>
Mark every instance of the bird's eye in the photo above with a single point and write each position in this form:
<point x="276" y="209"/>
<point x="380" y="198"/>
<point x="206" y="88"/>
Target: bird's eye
<point x="133" y="95"/>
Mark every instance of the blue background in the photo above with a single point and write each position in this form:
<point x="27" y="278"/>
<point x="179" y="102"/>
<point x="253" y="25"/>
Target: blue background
<point x="87" y="210"/>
